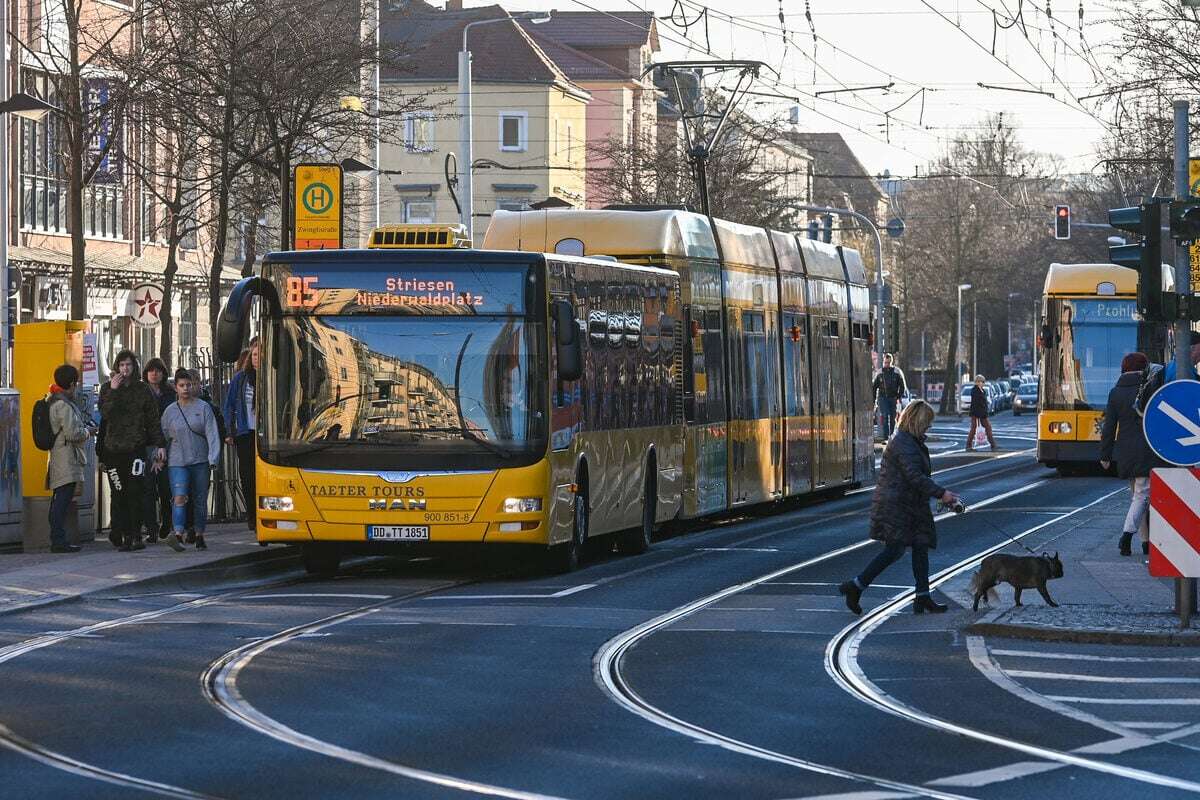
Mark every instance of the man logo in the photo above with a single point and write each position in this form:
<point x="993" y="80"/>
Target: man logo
<point x="383" y="504"/>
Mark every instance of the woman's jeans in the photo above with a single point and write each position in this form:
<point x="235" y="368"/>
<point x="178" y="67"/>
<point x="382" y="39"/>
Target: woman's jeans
<point x="245" y="456"/>
<point x="60" y="501"/>
<point x="190" y="482"/>
<point x="890" y="553"/>
<point x="1137" y="520"/>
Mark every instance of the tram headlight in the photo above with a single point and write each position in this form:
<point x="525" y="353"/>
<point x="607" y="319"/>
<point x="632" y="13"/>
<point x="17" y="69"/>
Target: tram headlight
<point x="276" y="504"/>
<point x="1060" y="427"/>
<point x="522" y="505"/>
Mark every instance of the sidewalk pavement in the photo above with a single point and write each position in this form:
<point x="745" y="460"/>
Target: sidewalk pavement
<point x="1104" y="597"/>
<point x="28" y="580"/>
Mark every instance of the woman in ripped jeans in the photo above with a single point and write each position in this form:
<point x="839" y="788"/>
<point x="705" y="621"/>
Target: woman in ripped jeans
<point x="194" y="440"/>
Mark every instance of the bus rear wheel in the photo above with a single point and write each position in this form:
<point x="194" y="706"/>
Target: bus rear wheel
<point x="321" y="559"/>
<point x="637" y="541"/>
<point x="565" y="557"/>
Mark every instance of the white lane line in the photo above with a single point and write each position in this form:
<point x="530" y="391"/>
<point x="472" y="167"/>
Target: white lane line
<point x="563" y="593"/>
<point x="944" y="470"/>
<point x="737" y="549"/>
<point x="985" y="777"/>
<point x="318" y="594"/>
<point x="1127" y="701"/>
<point x="608" y="676"/>
<point x="830" y="583"/>
<point x="860" y="796"/>
<point x="1152" y="726"/>
<point x="841" y="663"/>
<point x="1064" y="676"/>
<point x="1086" y="657"/>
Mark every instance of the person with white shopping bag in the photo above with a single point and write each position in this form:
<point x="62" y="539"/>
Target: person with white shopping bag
<point x="979" y="416"/>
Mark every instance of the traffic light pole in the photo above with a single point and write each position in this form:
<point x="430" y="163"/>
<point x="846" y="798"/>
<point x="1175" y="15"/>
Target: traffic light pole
<point x="1185" y="588"/>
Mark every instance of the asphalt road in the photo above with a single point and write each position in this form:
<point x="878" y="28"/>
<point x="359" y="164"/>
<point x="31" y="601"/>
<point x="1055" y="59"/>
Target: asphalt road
<point x="720" y="664"/>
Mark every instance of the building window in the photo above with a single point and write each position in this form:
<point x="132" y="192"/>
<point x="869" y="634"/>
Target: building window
<point x="512" y="203"/>
<point x="187" y="320"/>
<point x="419" y="211"/>
<point x="514" y="131"/>
<point x="418" y="133"/>
<point x="43" y="181"/>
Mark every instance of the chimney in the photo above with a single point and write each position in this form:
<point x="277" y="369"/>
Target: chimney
<point x="454" y="5"/>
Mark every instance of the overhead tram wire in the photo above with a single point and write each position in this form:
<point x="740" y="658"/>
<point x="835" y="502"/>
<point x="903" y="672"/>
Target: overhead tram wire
<point x="1037" y="49"/>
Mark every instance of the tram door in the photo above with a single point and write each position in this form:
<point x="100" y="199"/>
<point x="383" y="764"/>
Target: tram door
<point x="798" y="409"/>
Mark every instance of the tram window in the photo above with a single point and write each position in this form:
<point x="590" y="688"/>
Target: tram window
<point x="715" y="411"/>
<point x="754" y="365"/>
<point x="597" y="328"/>
<point x="831" y="328"/>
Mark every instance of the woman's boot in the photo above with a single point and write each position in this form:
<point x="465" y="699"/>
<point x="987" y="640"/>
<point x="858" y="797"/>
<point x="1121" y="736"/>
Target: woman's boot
<point x="925" y="603"/>
<point x="852" y="593"/>
<point x="1124" y="544"/>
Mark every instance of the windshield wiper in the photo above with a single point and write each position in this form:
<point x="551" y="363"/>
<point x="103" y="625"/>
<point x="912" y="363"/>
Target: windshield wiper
<point x="467" y="433"/>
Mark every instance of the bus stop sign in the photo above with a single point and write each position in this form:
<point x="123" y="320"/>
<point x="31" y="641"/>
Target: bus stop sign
<point x="1172" y="423"/>
<point x="318" y="204"/>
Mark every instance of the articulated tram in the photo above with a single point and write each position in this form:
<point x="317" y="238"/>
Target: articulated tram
<point x="585" y="373"/>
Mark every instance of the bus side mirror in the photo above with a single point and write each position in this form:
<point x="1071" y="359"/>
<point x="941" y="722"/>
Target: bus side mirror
<point x="231" y="324"/>
<point x="567" y="342"/>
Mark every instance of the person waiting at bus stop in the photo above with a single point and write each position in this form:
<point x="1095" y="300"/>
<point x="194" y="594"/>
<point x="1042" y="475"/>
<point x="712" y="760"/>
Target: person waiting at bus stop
<point x="240" y="409"/>
<point x="156" y="515"/>
<point x="900" y="513"/>
<point x="979" y="414"/>
<point x="889" y="388"/>
<point x="68" y="459"/>
<point x="1123" y="441"/>
<point x="1169" y="372"/>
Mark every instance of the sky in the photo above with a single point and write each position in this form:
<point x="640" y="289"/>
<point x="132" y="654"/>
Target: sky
<point x="935" y="52"/>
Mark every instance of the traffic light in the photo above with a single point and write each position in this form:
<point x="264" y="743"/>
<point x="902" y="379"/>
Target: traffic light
<point x="1185" y="220"/>
<point x="1145" y="257"/>
<point x="1062" y="222"/>
<point x="891" y="327"/>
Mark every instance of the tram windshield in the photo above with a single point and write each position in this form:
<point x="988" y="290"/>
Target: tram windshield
<point x="1083" y="362"/>
<point x="443" y="378"/>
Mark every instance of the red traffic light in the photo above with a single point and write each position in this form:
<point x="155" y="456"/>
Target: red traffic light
<point x="1062" y="222"/>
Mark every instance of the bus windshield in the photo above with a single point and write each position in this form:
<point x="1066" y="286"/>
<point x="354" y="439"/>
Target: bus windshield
<point x="1091" y="336"/>
<point x="450" y="387"/>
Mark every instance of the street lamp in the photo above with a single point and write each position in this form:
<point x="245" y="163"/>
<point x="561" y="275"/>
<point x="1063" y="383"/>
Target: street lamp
<point x="25" y="106"/>
<point x="958" y="339"/>
<point x="464" y="103"/>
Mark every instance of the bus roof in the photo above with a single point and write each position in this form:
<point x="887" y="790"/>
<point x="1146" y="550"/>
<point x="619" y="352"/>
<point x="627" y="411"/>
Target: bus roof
<point x="1086" y="279"/>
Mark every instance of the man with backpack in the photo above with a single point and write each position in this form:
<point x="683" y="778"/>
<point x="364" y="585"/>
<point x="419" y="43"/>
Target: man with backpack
<point x="889" y="388"/>
<point x="130" y="424"/>
<point x="59" y="426"/>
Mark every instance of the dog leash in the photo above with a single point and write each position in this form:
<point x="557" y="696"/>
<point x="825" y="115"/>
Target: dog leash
<point x="961" y="508"/>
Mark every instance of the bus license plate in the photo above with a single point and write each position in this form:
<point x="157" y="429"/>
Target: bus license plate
<point x="398" y="533"/>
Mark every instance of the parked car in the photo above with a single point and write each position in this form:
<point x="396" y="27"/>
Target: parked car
<point x="1026" y="399"/>
<point x="964" y="399"/>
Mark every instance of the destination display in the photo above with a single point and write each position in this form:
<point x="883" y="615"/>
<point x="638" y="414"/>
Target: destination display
<point x="412" y="289"/>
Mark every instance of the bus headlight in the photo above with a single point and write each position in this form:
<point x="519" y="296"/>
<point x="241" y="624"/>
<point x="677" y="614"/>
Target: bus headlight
<point x="1060" y="427"/>
<point x="276" y="504"/>
<point x="522" y="505"/>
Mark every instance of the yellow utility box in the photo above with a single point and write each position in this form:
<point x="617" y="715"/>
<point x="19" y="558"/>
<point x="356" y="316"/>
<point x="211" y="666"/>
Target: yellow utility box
<point x="38" y="349"/>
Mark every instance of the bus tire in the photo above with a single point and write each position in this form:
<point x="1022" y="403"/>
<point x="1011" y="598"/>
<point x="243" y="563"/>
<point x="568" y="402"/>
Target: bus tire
<point x="565" y="557"/>
<point x="637" y="541"/>
<point x="321" y="559"/>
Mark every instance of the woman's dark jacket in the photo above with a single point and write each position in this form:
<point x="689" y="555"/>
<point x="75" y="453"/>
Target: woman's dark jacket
<point x="1121" y="439"/>
<point x="979" y="402"/>
<point x="165" y="397"/>
<point x="130" y="418"/>
<point x="900" y="508"/>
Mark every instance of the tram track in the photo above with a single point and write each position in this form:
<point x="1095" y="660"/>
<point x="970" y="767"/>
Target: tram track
<point x="607" y="669"/>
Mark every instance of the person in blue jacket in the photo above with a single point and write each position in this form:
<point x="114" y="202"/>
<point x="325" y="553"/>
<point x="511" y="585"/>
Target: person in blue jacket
<point x="1169" y="372"/>
<point x="240" y="411"/>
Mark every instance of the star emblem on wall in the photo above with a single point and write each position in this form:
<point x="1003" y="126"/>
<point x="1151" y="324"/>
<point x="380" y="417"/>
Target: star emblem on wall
<point x="147" y="306"/>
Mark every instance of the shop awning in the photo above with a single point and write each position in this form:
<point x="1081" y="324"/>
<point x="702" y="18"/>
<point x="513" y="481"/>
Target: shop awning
<point x="110" y="270"/>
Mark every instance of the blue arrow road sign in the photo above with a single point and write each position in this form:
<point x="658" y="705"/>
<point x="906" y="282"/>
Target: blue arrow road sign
<point x="1172" y="423"/>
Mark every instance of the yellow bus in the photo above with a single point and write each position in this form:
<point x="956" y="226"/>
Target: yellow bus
<point x="586" y="373"/>
<point x="1089" y="323"/>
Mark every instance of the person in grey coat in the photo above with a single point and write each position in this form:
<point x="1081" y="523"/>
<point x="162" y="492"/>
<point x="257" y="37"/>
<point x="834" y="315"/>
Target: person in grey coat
<point x="68" y="457"/>
<point x="1122" y="441"/>
<point x="900" y="513"/>
<point x="194" y="448"/>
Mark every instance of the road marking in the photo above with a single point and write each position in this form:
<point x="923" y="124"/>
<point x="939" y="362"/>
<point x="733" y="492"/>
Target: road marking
<point x="562" y="593"/>
<point x="1087" y="657"/>
<point x="1062" y="676"/>
<point x="944" y="470"/>
<point x="318" y="594"/>
<point x="737" y="549"/>
<point x="1128" y="701"/>
<point x="1152" y="726"/>
<point x="984" y="777"/>
<point x="831" y="583"/>
<point x="860" y="796"/>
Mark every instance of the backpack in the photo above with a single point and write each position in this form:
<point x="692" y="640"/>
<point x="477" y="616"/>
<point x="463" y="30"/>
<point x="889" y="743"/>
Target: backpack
<point x="1152" y="381"/>
<point x="43" y="432"/>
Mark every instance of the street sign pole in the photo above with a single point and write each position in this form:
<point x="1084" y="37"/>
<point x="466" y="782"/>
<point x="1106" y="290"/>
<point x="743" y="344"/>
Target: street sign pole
<point x="1185" y="588"/>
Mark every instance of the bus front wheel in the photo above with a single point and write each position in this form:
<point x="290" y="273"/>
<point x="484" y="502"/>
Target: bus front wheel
<point x="321" y="559"/>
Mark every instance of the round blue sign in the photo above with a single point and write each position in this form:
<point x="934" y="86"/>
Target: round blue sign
<point x="895" y="227"/>
<point x="1172" y="423"/>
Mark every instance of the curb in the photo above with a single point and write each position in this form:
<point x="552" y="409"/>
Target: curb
<point x="1181" y="638"/>
<point x="217" y="572"/>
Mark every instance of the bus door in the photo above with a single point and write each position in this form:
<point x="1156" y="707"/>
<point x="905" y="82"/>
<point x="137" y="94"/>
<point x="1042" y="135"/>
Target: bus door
<point x="797" y="402"/>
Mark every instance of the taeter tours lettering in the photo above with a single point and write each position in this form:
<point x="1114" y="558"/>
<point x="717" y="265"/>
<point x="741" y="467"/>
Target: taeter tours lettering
<point x="350" y="490"/>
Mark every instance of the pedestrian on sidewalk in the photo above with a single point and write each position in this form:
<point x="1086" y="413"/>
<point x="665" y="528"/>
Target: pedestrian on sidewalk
<point x="195" y="447"/>
<point x="1123" y="441"/>
<point x="129" y="425"/>
<point x="156" y="514"/>
<point x="979" y="414"/>
<point x="900" y="513"/>
<point x="889" y="388"/>
<point x="1169" y="372"/>
<point x="68" y="459"/>
<point x="240" y="409"/>
<point x="201" y="393"/>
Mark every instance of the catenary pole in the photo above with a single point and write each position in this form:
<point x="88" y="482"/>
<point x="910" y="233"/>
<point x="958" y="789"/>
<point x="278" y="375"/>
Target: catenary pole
<point x="1185" y="588"/>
